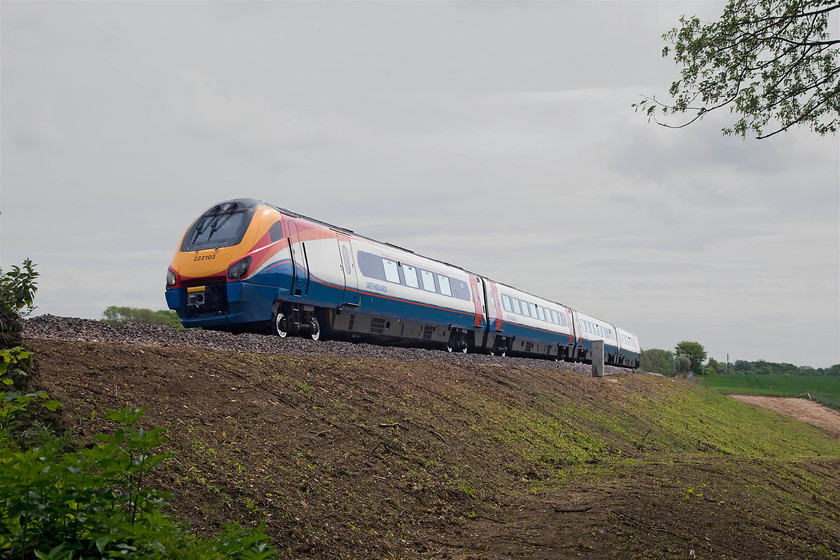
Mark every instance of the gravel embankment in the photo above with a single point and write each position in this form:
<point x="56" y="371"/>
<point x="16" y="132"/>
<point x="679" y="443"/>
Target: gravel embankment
<point x="69" y="328"/>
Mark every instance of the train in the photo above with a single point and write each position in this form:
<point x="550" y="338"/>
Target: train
<point x="247" y="265"/>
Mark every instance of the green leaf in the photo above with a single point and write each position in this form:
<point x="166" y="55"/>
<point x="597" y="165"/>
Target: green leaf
<point x="102" y="542"/>
<point x="52" y="406"/>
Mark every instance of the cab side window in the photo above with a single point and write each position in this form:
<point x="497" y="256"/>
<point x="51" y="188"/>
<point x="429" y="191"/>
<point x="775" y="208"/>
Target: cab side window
<point x="276" y="232"/>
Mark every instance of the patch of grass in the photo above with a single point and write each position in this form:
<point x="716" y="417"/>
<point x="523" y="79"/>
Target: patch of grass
<point x="540" y="437"/>
<point x="823" y="389"/>
<point x="677" y="421"/>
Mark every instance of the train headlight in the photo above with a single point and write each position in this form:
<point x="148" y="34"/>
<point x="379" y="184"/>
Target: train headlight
<point x="239" y="269"/>
<point x="171" y="279"/>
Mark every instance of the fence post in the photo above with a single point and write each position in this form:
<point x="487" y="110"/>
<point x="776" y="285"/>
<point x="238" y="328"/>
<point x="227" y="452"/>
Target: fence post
<point x="597" y="358"/>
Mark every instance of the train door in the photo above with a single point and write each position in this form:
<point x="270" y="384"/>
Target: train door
<point x="348" y="265"/>
<point x="300" y="282"/>
<point x="580" y="346"/>
<point x="477" y="300"/>
<point x="497" y="303"/>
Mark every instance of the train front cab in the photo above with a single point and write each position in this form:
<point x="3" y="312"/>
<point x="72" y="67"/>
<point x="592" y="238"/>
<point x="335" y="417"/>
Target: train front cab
<point x="209" y="282"/>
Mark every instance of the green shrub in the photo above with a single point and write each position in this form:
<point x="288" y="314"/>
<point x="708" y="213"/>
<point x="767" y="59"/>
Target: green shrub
<point x="682" y="363"/>
<point x="18" y="287"/>
<point x="94" y="502"/>
<point x="17" y="297"/>
<point x="115" y="314"/>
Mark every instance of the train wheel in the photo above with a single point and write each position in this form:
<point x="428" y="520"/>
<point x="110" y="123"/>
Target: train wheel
<point x="315" y="333"/>
<point x="456" y="342"/>
<point x="280" y="328"/>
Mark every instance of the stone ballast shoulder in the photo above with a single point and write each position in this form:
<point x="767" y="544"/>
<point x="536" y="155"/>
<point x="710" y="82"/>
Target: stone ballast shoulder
<point x="53" y="327"/>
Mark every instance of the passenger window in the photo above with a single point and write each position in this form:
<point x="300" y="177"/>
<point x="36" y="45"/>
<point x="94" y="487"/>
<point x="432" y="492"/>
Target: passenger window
<point x="428" y="281"/>
<point x="506" y="303"/>
<point x="370" y="265"/>
<point x="540" y="313"/>
<point x="346" y="257"/>
<point x="526" y="308"/>
<point x="276" y="232"/>
<point x="443" y="281"/>
<point x="391" y="272"/>
<point x="516" y="308"/>
<point x="410" y="274"/>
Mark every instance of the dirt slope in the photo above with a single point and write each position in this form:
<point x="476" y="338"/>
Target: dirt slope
<point x="354" y="457"/>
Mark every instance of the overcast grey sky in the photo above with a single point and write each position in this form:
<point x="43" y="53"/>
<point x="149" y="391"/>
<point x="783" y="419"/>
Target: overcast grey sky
<point x="497" y="136"/>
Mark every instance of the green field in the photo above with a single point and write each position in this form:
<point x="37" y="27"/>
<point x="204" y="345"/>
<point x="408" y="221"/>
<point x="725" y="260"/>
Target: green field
<point x="823" y="389"/>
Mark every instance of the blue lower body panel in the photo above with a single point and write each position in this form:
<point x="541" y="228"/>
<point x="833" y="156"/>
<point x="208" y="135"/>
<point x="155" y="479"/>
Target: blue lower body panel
<point x="244" y="303"/>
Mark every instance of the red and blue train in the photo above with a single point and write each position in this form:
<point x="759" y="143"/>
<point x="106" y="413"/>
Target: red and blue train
<point x="245" y="265"/>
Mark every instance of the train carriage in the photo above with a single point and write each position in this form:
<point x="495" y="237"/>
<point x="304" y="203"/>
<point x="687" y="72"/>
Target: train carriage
<point x="404" y="295"/>
<point x="589" y="329"/>
<point x="629" y="351"/>
<point x="527" y="324"/>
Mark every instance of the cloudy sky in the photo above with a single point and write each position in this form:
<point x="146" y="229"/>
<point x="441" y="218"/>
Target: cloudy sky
<point x="494" y="135"/>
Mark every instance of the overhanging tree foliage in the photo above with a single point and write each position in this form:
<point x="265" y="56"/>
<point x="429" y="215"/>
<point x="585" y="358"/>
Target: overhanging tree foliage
<point x="768" y="60"/>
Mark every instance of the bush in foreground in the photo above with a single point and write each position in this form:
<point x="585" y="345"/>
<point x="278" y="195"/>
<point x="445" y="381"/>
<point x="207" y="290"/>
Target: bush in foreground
<point x="93" y="503"/>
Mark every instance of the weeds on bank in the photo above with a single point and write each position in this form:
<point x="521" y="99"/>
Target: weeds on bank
<point x="93" y="502"/>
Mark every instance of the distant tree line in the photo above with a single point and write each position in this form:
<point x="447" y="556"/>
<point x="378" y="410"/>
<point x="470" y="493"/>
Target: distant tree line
<point x="116" y="314"/>
<point x="761" y="367"/>
<point x="681" y="361"/>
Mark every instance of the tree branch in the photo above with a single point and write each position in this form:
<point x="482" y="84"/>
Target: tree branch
<point x="795" y="121"/>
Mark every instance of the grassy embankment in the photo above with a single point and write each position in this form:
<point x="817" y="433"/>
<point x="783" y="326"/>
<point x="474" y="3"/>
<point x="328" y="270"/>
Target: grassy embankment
<point x="822" y="389"/>
<point x="362" y="457"/>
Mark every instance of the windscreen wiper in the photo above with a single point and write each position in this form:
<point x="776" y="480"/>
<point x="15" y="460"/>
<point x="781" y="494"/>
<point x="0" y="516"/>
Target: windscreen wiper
<point x="199" y="227"/>
<point x="218" y="222"/>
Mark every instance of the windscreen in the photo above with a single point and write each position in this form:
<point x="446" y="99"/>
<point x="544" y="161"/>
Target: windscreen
<point x="224" y="225"/>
